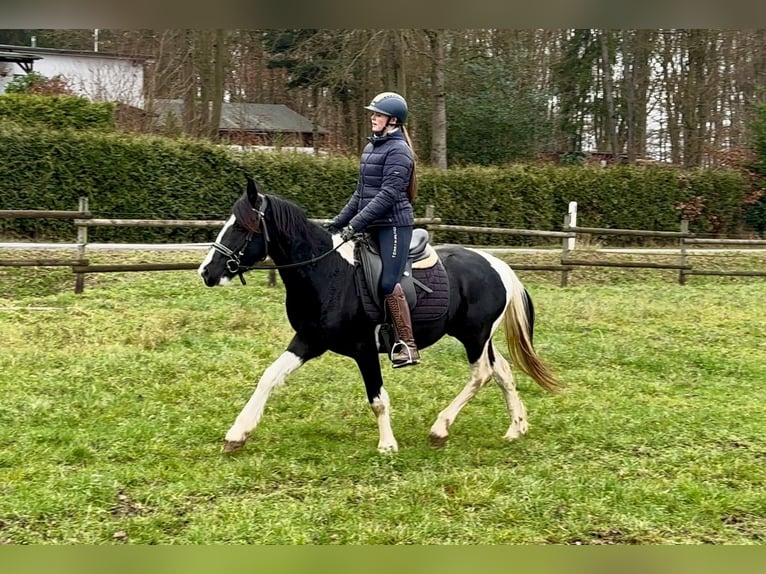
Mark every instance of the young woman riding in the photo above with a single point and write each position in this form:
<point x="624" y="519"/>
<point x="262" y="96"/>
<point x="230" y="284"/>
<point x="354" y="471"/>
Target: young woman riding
<point x="381" y="205"/>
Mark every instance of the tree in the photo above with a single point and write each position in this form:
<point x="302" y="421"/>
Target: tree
<point x="438" y="154"/>
<point x="573" y="81"/>
<point x="610" y="115"/>
<point x="492" y="119"/>
<point x="755" y="208"/>
<point x="637" y="48"/>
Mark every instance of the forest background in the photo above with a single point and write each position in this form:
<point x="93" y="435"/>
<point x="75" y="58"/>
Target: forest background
<point x="476" y="96"/>
<point x="690" y="98"/>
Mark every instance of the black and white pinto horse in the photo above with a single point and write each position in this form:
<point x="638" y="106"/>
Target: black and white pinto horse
<point x="327" y="314"/>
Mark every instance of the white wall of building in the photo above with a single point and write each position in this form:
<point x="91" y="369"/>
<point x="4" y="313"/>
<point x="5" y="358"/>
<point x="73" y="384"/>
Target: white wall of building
<point x="95" y="77"/>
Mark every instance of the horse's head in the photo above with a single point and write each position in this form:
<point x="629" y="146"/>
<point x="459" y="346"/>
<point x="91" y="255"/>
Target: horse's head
<point x="242" y="241"/>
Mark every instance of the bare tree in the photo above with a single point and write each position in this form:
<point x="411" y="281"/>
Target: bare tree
<point x="610" y="113"/>
<point x="438" y="99"/>
<point x="637" y="75"/>
<point x="682" y="95"/>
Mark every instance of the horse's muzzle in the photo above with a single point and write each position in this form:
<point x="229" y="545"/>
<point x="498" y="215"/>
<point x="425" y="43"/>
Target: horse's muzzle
<point x="209" y="281"/>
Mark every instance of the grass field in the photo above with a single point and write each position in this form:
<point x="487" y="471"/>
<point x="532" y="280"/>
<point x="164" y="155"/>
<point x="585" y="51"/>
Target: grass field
<point x="115" y="402"/>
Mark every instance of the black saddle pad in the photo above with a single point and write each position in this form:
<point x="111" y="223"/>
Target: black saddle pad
<point x="429" y="306"/>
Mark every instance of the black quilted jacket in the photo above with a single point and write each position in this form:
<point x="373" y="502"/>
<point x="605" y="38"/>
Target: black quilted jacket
<point x="380" y="198"/>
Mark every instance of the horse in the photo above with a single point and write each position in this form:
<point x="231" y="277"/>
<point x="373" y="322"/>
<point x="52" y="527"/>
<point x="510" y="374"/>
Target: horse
<point x="326" y="312"/>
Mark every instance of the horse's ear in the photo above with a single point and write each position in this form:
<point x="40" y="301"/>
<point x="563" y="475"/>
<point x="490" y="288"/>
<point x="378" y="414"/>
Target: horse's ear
<point x="253" y="190"/>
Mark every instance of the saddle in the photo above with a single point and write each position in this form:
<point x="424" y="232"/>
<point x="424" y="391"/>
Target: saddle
<point x="425" y="285"/>
<point x="421" y="256"/>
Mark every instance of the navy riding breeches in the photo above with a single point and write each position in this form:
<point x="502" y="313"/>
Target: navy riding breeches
<point x="394" y="245"/>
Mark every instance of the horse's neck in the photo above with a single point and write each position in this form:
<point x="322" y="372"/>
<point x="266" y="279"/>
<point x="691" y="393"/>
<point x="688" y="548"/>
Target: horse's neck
<point x="319" y="277"/>
<point x="288" y="250"/>
<point x="292" y="250"/>
<point x="311" y="289"/>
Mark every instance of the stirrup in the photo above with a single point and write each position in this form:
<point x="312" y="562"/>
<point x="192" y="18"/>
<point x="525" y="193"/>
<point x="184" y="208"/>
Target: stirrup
<point x="412" y="358"/>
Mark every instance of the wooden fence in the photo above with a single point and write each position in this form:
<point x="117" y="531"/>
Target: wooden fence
<point x="83" y="219"/>
<point x="685" y="239"/>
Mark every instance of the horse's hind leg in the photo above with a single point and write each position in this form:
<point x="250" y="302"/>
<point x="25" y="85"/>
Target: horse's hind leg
<point x="516" y="409"/>
<point x="481" y="373"/>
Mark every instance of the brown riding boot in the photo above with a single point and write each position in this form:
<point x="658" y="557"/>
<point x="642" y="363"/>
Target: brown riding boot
<point x="404" y="352"/>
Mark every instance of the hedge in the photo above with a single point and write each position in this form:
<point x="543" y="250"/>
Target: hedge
<point x="57" y="112"/>
<point x="154" y="177"/>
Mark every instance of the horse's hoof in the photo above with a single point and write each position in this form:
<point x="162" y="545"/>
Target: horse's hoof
<point x="437" y="440"/>
<point x="231" y="446"/>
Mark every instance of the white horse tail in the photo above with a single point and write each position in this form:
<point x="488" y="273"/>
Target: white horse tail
<point x="519" y="327"/>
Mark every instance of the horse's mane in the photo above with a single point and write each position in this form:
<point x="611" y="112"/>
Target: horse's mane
<point x="288" y="217"/>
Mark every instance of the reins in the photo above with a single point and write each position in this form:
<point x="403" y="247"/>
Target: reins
<point x="234" y="266"/>
<point x="302" y="263"/>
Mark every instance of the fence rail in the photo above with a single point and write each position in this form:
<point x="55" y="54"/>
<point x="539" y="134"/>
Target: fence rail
<point x="42" y="214"/>
<point x="205" y="223"/>
<point x="711" y="241"/>
<point x="633" y="264"/>
<point x="628" y="232"/>
<point x="83" y="219"/>
<point x="501" y="231"/>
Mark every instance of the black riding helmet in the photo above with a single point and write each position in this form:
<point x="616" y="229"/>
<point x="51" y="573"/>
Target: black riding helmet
<point x="389" y="104"/>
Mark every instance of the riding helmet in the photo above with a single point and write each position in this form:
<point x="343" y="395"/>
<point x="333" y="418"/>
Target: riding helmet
<point x="390" y="104"/>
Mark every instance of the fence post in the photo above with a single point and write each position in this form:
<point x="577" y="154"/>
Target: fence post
<point x="573" y="223"/>
<point x="682" y="259"/>
<point x="565" y="249"/>
<point x="82" y="241"/>
<point x="430" y="215"/>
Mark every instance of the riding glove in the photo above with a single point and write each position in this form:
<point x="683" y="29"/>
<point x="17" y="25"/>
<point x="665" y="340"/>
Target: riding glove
<point x="331" y="227"/>
<point x="347" y="233"/>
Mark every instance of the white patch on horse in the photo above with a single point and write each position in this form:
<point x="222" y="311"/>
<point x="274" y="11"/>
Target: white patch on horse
<point x="507" y="276"/>
<point x="211" y="253"/>
<point x="346" y="251"/>
<point x="381" y="406"/>
<point x="272" y="377"/>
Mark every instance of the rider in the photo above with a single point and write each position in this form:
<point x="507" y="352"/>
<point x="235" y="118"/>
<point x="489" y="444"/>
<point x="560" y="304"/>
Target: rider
<point x="382" y="206"/>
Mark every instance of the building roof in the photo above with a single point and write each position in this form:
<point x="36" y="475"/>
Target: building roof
<point x="24" y="60"/>
<point x="37" y="53"/>
<point x="249" y="117"/>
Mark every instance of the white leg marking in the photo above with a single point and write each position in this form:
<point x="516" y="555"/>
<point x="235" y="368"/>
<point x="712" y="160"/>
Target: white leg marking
<point x="272" y="377"/>
<point x="381" y="406"/>
<point x="209" y="256"/>
<point x="516" y="409"/>
<point x="481" y="372"/>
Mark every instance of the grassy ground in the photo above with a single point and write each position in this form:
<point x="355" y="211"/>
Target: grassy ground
<point x="115" y="402"/>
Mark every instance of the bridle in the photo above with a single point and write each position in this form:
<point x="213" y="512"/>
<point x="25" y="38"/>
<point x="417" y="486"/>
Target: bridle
<point x="233" y="263"/>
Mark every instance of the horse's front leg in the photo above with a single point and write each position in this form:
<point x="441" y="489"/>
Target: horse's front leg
<point x="369" y="366"/>
<point x="297" y="354"/>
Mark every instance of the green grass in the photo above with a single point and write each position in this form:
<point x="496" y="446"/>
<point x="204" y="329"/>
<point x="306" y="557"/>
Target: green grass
<point x="115" y="402"/>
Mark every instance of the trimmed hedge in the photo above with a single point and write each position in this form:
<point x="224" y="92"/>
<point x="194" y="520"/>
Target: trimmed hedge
<point x="525" y="196"/>
<point x="153" y="177"/>
<point x="122" y="176"/>
<point x="58" y="112"/>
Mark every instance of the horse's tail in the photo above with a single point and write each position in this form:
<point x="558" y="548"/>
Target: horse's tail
<point x="519" y="328"/>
